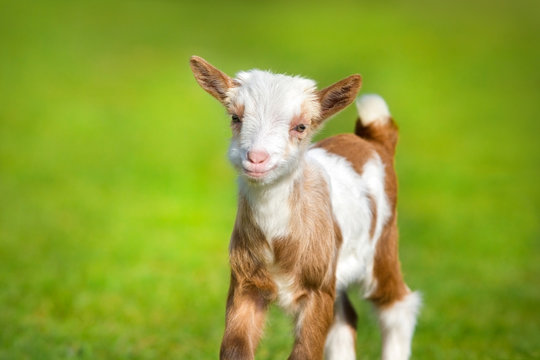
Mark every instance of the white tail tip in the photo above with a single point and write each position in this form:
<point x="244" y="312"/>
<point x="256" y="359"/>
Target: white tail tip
<point x="371" y="109"/>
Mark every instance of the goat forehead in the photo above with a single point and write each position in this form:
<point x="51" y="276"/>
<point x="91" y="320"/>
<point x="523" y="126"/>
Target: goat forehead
<point x="272" y="97"/>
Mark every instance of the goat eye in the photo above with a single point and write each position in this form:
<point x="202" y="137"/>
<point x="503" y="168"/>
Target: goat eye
<point x="235" y="118"/>
<point x="300" y="128"/>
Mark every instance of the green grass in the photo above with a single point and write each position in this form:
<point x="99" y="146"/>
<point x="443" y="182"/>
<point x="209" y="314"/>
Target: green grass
<point x="116" y="199"/>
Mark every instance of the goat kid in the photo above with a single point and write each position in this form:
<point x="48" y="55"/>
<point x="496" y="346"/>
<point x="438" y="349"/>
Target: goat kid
<point x="312" y="219"/>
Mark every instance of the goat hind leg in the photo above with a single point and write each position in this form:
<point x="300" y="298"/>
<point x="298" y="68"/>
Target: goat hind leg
<point x="397" y="321"/>
<point x="341" y="340"/>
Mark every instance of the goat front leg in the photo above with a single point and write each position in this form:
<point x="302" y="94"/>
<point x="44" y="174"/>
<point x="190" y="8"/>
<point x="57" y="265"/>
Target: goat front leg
<point x="246" y="310"/>
<point x="313" y="322"/>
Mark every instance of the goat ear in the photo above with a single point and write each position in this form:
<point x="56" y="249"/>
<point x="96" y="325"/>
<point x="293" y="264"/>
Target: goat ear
<point x="215" y="82"/>
<point x="336" y="97"/>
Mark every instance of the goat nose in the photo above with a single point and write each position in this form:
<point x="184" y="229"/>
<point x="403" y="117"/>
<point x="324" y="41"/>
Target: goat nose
<point x="257" y="156"/>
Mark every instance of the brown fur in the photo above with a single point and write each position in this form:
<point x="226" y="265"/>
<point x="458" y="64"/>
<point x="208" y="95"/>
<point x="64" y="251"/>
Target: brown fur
<point x="236" y="109"/>
<point x="212" y="80"/>
<point x="337" y="96"/>
<point x="301" y="118"/>
<point x="312" y="225"/>
<point x="349" y="146"/>
<point x="373" y="207"/>
<point x="387" y="268"/>
<point x="313" y="325"/>
<point x="246" y="310"/>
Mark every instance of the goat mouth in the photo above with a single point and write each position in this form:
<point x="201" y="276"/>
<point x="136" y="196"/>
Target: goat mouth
<point x="257" y="174"/>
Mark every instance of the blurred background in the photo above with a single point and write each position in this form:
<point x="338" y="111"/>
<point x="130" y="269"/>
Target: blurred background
<point x="117" y="201"/>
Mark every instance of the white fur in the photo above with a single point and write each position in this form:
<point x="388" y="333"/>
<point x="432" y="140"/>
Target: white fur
<point x="267" y="205"/>
<point x="349" y="195"/>
<point x="270" y="102"/>
<point x="285" y="285"/>
<point x="372" y="108"/>
<point x="397" y="325"/>
<point x="340" y="342"/>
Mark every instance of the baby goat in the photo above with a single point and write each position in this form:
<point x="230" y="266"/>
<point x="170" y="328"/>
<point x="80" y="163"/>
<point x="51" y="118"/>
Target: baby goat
<point x="312" y="219"/>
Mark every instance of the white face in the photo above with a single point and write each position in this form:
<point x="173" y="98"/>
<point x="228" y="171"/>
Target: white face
<point x="271" y="117"/>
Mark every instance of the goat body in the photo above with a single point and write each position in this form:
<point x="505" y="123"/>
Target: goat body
<point x="312" y="219"/>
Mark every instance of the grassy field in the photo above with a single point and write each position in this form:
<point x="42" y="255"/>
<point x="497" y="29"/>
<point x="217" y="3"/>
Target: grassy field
<point x="116" y="199"/>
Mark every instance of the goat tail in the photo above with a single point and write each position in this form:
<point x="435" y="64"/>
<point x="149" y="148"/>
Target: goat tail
<point x="375" y="122"/>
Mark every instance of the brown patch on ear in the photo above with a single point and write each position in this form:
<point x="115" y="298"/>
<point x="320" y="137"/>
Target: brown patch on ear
<point x="212" y="80"/>
<point x="336" y="97"/>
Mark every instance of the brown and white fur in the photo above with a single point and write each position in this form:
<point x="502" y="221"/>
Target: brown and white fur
<point x="312" y="219"/>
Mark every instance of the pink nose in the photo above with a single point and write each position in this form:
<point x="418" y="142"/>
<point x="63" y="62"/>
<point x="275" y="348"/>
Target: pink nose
<point x="257" y="156"/>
